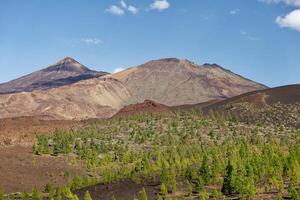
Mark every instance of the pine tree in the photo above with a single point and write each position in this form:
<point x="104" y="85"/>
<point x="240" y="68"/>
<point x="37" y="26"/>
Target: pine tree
<point x="75" y="197"/>
<point x="203" y="195"/>
<point x="199" y="184"/>
<point x="204" y="170"/>
<point x="2" y="196"/>
<point x="293" y="192"/>
<point x="164" y="172"/>
<point x="215" y="194"/>
<point x="59" y="197"/>
<point x="35" y="194"/>
<point x="87" y="196"/>
<point x="188" y="174"/>
<point x="48" y="188"/>
<point x="24" y="195"/>
<point x="164" y="189"/>
<point x="190" y="189"/>
<point x="227" y="187"/>
<point x="159" y="197"/>
<point x="172" y="180"/>
<point x="143" y="195"/>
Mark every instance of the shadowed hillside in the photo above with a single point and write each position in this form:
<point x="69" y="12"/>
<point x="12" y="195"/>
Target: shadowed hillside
<point x="279" y="105"/>
<point x="64" y="72"/>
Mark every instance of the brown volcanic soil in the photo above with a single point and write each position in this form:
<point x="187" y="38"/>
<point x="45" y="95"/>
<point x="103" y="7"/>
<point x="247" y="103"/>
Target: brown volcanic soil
<point x="20" y="170"/>
<point x="147" y="106"/>
<point x="289" y="94"/>
<point x="199" y="106"/>
<point x="125" y="190"/>
<point x="23" y="130"/>
<point x="279" y="105"/>
<point x="121" y="191"/>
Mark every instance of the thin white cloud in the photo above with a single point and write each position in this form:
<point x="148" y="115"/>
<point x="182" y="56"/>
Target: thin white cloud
<point x="234" y="12"/>
<point x="133" y="9"/>
<point x="94" y="41"/>
<point x="123" y="4"/>
<point x="243" y="32"/>
<point x="115" y="10"/>
<point x="288" y="2"/>
<point x="160" y="5"/>
<point x="122" y="8"/>
<point x="291" y="20"/>
<point x="118" y="70"/>
<point x="247" y="36"/>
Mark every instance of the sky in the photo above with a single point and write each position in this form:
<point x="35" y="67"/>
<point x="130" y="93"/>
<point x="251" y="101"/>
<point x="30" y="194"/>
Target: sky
<point x="258" y="39"/>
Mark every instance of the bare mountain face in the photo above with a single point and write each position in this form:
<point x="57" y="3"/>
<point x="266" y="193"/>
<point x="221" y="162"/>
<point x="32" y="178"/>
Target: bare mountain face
<point x="64" y="72"/>
<point x="171" y="82"/>
<point x="176" y="82"/>
<point x="93" y="98"/>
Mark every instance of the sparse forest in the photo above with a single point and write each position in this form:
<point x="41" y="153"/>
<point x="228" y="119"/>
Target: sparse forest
<point x="188" y="155"/>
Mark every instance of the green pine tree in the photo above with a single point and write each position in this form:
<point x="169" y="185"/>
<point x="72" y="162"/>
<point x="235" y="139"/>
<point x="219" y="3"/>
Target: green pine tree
<point x="204" y="171"/>
<point x="87" y="196"/>
<point x="25" y="196"/>
<point x="159" y="197"/>
<point x="143" y="195"/>
<point x="214" y="194"/>
<point x="188" y="174"/>
<point x="35" y="194"/>
<point x="293" y="192"/>
<point x="48" y="188"/>
<point x="199" y="184"/>
<point x="164" y="189"/>
<point x="203" y="195"/>
<point x="2" y="196"/>
<point x="227" y="187"/>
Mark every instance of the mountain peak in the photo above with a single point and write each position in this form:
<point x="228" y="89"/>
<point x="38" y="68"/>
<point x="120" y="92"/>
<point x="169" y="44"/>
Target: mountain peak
<point x="165" y="64"/>
<point x="64" y="72"/>
<point x="166" y="60"/>
<point x="173" y="61"/>
<point x="67" y="60"/>
<point x="68" y="64"/>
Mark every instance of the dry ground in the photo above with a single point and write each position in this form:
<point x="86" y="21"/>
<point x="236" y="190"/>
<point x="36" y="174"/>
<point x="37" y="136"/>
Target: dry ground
<point x="20" y="170"/>
<point x="23" y="130"/>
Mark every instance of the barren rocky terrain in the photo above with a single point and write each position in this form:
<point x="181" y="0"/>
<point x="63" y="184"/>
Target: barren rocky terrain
<point x="171" y="82"/>
<point x="176" y="82"/>
<point x="93" y="98"/>
<point x="21" y="170"/>
<point x="23" y="130"/>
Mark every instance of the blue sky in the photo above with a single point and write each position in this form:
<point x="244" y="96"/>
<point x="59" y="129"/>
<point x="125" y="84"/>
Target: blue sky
<point x="259" y="39"/>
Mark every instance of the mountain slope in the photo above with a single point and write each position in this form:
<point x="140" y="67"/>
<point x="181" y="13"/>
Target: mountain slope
<point x="279" y="105"/>
<point x="64" y="72"/>
<point x="147" y="107"/>
<point x="176" y="82"/>
<point x="93" y="98"/>
<point x="171" y="82"/>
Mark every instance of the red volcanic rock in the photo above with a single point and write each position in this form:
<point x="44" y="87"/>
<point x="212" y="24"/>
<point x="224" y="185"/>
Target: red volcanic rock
<point x="147" y="106"/>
